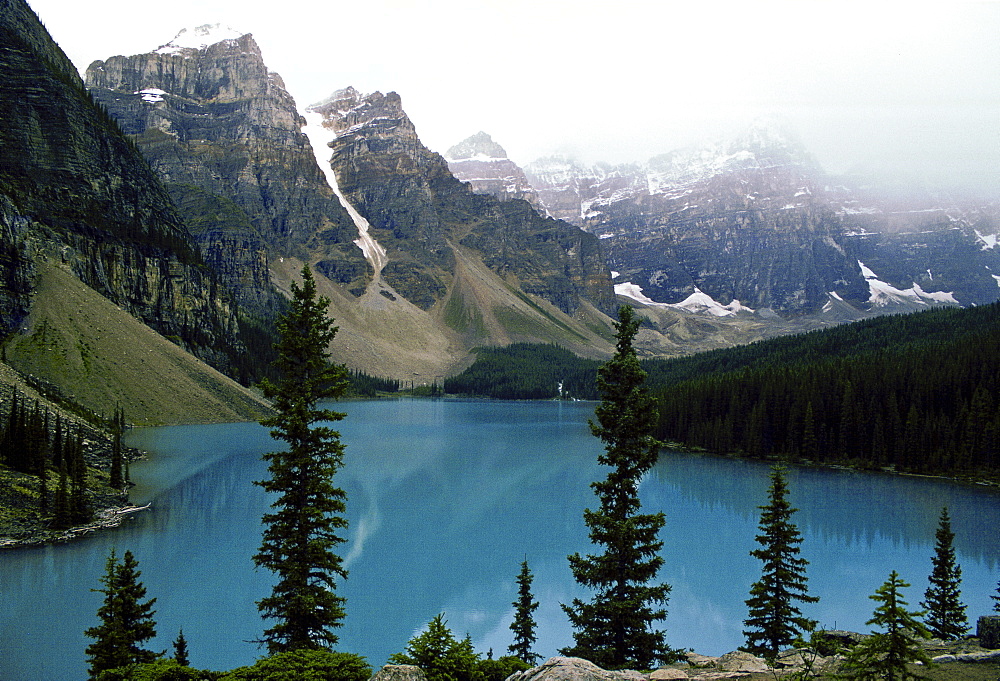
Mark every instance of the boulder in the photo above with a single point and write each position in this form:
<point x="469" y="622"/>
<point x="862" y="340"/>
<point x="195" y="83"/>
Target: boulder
<point x="399" y="672"/>
<point x="701" y="661"/>
<point x="667" y="673"/>
<point x="573" y="669"/>
<point x="988" y="631"/>
<point x="740" y="661"/>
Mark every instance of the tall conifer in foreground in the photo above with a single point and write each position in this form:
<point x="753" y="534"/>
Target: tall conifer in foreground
<point x="774" y="622"/>
<point x="523" y="625"/>
<point x="884" y="656"/>
<point x="126" y="621"/>
<point x="945" y="611"/>
<point x="615" y="629"/>
<point x="301" y="533"/>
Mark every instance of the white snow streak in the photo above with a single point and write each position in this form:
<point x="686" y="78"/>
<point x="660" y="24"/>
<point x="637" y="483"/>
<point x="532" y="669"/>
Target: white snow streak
<point x="320" y="137"/>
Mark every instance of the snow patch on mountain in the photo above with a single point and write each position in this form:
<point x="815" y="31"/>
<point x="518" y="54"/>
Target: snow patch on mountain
<point x="884" y="294"/>
<point x="199" y="37"/>
<point x="697" y="302"/>
<point x="151" y="94"/>
<point x="319" y="138"/>
<point x="989" y="240"/>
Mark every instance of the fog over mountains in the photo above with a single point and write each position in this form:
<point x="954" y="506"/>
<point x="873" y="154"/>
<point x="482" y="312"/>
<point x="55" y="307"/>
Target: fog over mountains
<point x="236" y="184"/>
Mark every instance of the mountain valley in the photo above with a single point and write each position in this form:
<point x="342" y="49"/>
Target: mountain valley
<point x="190" y="188"/>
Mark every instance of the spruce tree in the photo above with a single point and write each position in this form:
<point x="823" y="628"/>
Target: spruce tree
<point x="996" y="606"/>
<point x="301" y="534"/>
<point x="884" y="656"/>
<point x="523" y="625"/>
<point x="440" y="655"/>
<point x="117" y="479"/>
<point x="945" y="612"/>
<point x="774" y="622"/>
<point x="126" y="621"/>
<point x="615" y="630"/>
<point x="181" y="650"/>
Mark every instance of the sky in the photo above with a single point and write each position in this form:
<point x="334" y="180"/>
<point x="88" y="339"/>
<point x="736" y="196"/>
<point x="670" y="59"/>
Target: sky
<point x="911" y="87"/>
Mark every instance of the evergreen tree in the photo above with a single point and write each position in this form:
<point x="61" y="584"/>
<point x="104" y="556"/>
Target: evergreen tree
<point x="61" y="511"/>
<point x="774" y="622"/>
<point x="945" y="612"/>
<point x="126" y="621"/>
<point x="181" y="650"/>
<point x="117" y="479"/>
<point x="615" y="629"/>
<point x="439" y="655"/>
<point x="302" y="531"/>
<point x="884" y="656"/>
<point x="523" y="625"/>
<point x="996" y="606"/>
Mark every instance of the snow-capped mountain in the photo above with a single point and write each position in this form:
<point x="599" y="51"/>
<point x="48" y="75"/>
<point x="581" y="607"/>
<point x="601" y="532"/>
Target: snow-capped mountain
<point x="483" y="163"/>
<point x="754" y="220"/>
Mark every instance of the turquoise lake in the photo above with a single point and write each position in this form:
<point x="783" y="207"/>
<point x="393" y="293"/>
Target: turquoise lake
<point x="445" y="499"/>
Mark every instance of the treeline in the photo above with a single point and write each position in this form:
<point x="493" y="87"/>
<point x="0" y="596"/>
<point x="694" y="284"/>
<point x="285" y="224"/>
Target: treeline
<point x="364" y="385"/>
<point x="41" y="444"/>
<point x="916" y="392"/>
<point x="526" y="371"/>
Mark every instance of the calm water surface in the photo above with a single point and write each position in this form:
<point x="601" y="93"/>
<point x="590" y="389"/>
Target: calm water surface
<point x="446" y="498"/>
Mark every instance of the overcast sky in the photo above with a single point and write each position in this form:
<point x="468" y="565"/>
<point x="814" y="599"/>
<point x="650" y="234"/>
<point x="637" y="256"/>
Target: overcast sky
<point x="911" y="85"/>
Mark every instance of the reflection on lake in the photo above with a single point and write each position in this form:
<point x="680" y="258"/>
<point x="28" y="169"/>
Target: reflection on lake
<point x="445" y="499"/>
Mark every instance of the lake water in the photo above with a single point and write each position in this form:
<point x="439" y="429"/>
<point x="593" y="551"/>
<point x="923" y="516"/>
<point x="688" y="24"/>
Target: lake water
<point x="446" y="498"/>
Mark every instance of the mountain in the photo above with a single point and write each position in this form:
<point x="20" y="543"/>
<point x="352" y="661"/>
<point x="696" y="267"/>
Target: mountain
<point x="418" y="268"/>
<point x="226" y="138"/>
<point x="78" y="199"/>
<point x="483" y="163"/>
<point x="752" y="223"/>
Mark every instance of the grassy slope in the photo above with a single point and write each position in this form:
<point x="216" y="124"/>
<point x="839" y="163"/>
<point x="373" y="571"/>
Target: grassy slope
<point x="101" y="357"/>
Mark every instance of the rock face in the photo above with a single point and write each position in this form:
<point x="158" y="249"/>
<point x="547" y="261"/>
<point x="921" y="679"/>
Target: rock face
<point x="754" y="220"/>
<point x="226" y="138"/>
<point x="399" y="672"/>
<point x="422" y="214"/>
<point x="573" y="669"/>
<point x="484" y="165"/>
<point x="74" y="190"/>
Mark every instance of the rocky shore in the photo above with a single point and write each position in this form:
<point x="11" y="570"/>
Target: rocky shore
<point x="965" y="660"/>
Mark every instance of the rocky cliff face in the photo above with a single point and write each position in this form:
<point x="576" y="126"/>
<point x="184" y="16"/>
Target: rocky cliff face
<point x="484" y="165"/>
<point x="76" y="191"/>
<point x="754" y="221"/>
<point x="421" y="213"/>
<point x="225" y="136"/>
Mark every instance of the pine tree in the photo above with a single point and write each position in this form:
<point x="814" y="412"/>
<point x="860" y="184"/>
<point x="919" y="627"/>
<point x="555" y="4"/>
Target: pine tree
<point x="181" y="649"/>
<point x="884" y="656"/>
<point x="523" y="625"/>
<point x="62" y="517"/>
<point x="126" y="621"/>
<point x="117" y="479"/>
<point x="945" y="612"/>
<point x="302" y="531"/>
<point x="996" y="606"/>
<point x="615" y="629"/>
<point x="774" y="622"/>
<point x="439" y="654"/>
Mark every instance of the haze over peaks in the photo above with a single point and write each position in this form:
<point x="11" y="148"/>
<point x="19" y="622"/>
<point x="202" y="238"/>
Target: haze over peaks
<point x="199" y="37"/>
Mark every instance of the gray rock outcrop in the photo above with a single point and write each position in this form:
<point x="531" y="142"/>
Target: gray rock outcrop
<point x="399" y="672"/>
<point x="573" y="669"/>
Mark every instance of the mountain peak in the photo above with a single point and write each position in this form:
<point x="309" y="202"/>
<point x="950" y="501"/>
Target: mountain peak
<point x="478" y="147"/>
<point x="199" y="37"/>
